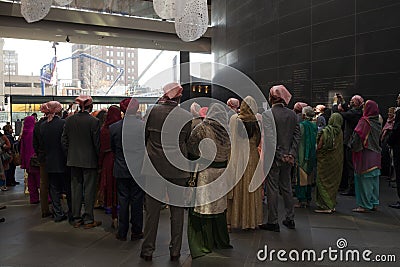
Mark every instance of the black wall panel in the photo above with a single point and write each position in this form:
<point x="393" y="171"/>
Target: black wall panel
<point x="314" y="47"/>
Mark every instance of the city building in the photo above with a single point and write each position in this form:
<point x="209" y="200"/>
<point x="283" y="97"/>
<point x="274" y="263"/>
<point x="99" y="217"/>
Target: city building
<point x="98" y="67"/>
<point x="10" y="62"/>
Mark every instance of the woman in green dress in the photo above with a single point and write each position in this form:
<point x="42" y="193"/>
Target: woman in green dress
<point x="329" y="164"/>
<point x="207" y="226"/>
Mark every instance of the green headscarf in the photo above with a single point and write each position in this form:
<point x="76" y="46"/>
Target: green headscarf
<point x="331" y="131"/>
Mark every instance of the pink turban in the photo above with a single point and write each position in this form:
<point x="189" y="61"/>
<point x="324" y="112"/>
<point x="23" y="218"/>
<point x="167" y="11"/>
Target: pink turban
<point x="194" y="109"/>
<point x="203" y="112"/>
<point x="84" y="101"/>
<point x="233" y="103"/>
<point x="357" y="100"/>
<point x="298" y="107"/>
<point x="280" y="92"/>
<point x="54" y="108"/>
<point x="172" y="90"/>
<point x="44" y="109"/>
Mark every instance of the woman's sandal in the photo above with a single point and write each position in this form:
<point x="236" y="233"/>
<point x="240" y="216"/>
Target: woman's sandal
<point x="360" y="210"/>
<point x="328" y="211"/>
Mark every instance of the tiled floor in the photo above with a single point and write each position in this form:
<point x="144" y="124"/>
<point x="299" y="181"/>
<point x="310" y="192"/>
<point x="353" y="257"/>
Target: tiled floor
<point x="28" y="240"/>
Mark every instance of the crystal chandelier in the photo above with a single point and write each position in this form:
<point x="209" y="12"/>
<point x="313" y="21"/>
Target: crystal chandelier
<point x="191" y="16"/>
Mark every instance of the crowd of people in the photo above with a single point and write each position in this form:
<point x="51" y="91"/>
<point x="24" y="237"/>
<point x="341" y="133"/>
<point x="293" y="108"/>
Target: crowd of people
<point x="319" y="152"/>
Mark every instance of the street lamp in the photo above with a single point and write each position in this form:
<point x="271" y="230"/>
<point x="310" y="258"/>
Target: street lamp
<point x="55" y="70"/>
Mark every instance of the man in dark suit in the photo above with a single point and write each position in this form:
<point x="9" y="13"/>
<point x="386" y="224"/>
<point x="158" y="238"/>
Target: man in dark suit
<point x="81" y="141"/>
<point x="156" y="151"/>
<point x="350" y="119"/>
<point x="287" y="139"/>
<point x="129" y="192"/>
<point x="50" y="132"/>
<point x="394" y="142"/>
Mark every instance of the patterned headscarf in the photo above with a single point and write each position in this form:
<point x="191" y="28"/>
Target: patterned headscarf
<point x="280" y="92"/>
<point x="44" y="109"/>
<point x="357" y="100"/>
<point x="298" y="107"/>
<point x="172" y="90"/>
<point x="172" y="93"/>
<point x="54" y="108"/>
<point x="84" y="101"/>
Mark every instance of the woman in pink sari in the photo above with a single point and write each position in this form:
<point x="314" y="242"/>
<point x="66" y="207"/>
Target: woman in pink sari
<point x="27" y="152"/>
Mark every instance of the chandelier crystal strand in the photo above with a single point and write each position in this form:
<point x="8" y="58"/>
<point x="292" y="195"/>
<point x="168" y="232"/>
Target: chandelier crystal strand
<point x="63" y="2"/>
<point x="35" y="10"/>
<point x="192" y="19"/>
<point x="165" y="9"/>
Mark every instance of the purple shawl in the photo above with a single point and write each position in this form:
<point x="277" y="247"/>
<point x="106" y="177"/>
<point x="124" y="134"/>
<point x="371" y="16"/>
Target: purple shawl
<point x="27" y="150"/>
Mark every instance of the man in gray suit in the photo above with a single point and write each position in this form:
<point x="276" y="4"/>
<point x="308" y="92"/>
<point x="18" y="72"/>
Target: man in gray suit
<point x="156" y="151"/>
<point x="81" y="141"/>
<point x="287" y="139"/>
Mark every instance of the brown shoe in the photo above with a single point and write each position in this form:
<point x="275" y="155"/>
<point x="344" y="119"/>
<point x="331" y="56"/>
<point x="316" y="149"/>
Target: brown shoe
<point x="78" y="224"/>
<point x="92" y="225"/>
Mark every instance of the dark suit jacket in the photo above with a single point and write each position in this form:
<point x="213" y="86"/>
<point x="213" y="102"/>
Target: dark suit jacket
<point x="287" y="130"/>
<point x="154" y="125"/>
<point x="50" y="133"/>
<point x="135" y="149"/>
<point x="351" y="118"/>
<point x="81" y="140"/>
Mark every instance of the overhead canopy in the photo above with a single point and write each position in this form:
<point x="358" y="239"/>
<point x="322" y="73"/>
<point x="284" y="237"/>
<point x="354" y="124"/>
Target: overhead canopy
<point x="97" y="28"/>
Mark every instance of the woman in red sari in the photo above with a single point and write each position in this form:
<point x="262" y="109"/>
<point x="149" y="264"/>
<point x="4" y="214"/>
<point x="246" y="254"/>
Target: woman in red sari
<point x="108" y="186"/>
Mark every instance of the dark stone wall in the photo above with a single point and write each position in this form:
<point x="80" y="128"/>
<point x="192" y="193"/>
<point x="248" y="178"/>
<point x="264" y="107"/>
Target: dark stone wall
<point x="314" y="47"/>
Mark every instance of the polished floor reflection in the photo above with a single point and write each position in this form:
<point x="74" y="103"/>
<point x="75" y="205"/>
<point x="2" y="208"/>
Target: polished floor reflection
<point x="28" y="240"/>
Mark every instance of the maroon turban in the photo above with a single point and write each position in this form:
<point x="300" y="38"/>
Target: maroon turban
<point x="134" y="106"/>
